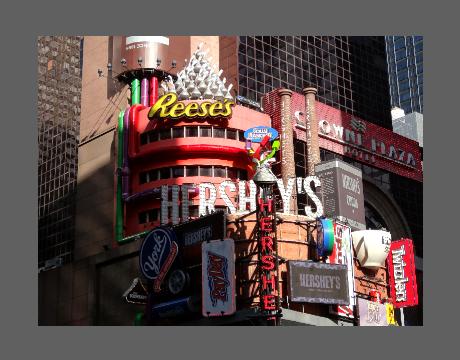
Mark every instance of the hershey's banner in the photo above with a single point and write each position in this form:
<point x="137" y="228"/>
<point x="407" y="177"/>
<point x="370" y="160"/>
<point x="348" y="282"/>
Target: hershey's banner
<point x="372" y="313"/>
<point x="218" y="277"/>
<point x="316" y="282"/>
<point x="401" y="267"/>
<point x="342" y="190"/>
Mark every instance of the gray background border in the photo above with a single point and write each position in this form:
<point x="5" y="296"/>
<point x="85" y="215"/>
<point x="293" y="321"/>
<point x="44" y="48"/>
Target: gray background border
<point x="23" y="21"/>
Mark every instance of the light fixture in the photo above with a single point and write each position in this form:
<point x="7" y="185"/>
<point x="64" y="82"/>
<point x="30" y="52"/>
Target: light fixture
<point x="139" y="61"/>
<point x="109" y="67"/>
<point x="99" y="71"/>
<point x="123" y="62"/>
<point x="158" y="62"/>
<point x="174" y="63"/>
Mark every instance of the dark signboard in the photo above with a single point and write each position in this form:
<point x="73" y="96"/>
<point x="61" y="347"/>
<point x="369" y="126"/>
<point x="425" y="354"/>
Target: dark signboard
<point x="190" y="235"/>
<point x="342" y="189"/>
<point x="209" y="227"/>
<point x="315" y="282"/>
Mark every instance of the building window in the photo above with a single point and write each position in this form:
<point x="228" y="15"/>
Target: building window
<point x="219" y="171"/>
<point x="205" y="170"/>
<point x="165" y="173"/>
<point x="178" y="171"/>
<point x="178" y="132"/>
<point x="192" y="171"/>
<point x="149" y="216"/>
<point x="231" y="134"/>
<point x="165" y="134"/>
<point x="205" y="131"/>
<point x="219" y="133"/>
<point x="191" y="131"/>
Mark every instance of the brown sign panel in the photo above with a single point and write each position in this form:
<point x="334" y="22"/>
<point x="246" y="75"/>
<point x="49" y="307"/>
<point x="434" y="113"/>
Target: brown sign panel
<point x="342" y="189"/>
<point x="314" y="282"/>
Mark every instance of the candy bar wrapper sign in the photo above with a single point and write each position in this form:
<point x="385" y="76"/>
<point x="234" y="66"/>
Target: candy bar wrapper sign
<point x="218" y="277"/>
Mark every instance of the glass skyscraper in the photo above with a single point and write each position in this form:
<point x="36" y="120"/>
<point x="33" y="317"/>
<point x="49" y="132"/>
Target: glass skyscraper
<point x="405" y="71"/>
<point x="350" y="72"/>
<point x="58" y="112"/>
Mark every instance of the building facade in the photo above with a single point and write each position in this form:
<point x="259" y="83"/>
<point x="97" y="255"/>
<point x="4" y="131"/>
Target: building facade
<point x="58" y="112"/>
<point x="405" y="72"/>
<point x="132" y="170"/>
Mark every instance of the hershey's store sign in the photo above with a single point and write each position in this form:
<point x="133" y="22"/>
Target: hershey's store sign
<point x="208" y="196"/>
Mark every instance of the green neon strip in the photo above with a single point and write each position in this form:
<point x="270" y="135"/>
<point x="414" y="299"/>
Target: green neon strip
<point x="119" y="200"/>
<point x="135" y="92"/>
<point x="133" y="237"/>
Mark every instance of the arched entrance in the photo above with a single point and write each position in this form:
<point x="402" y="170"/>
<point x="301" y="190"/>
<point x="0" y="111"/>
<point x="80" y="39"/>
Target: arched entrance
<point x="383" y="211"/>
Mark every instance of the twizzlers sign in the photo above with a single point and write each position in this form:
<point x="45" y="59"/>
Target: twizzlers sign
<point x="401" y="266"/>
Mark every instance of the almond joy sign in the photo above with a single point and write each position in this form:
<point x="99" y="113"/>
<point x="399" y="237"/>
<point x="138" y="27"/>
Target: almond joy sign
<point x="158" y="252"/>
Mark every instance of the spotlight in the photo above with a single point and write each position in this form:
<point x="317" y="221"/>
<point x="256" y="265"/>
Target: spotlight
<point x="158" y="62"/>
<point x="123" y="62"/>
<point x="109" y="67"/>
<point x="139" y="61"/>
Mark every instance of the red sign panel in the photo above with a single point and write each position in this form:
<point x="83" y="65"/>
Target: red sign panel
<point x="401" y="267"/>
<point x="351" y="136"/>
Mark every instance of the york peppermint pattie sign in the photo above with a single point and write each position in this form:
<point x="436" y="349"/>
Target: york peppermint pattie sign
<point x="157" y="254"/>
<point x="314" y="282"/>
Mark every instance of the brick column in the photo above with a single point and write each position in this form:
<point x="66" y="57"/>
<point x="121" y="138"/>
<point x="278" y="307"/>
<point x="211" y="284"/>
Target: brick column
<point x="287" y="144"/>
<point x="313" y="154"/>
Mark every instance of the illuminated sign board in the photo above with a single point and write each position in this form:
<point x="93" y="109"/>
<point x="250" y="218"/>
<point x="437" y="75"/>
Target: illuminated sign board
<point x="267" y="243"/>
<point x="168" y="107"/>
<point x="209" y="193"/>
